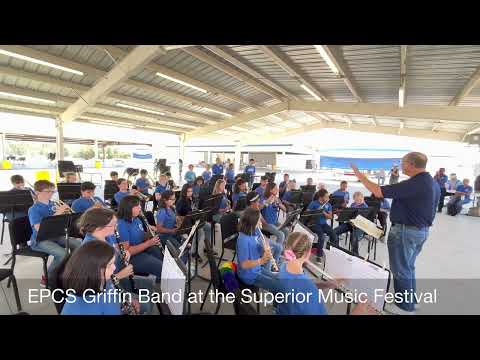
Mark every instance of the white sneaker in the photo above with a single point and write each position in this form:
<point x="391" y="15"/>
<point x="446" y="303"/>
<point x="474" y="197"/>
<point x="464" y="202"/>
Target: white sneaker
<point x="395" y="310"/>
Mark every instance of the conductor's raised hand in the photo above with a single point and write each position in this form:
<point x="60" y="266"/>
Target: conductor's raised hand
<point x="355" y="169"/>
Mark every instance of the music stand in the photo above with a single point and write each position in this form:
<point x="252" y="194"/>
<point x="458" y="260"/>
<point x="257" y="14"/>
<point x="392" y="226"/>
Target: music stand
<point x="307" y="197"/>
<point x="309" y="217"/>
<point x="14" y="201"/>
<point x="308" y="188"/>
<point x="297" y="197"/>
<point x="291" y="219"/>
<point x="54" y="227"/>
<point x="69" y="191"/>
<point x="110" y="189"/>
<point x="347" y="214"/>
<point x="373" y="202"/>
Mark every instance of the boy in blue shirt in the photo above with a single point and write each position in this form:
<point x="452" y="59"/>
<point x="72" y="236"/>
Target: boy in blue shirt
<point x="190" y="175"/>
<point x="42" y="208"/>
<point x="461" y="197"/>
<point x="161" y="187"/>
<point x="230" y="174"/>
<point x="142" y="183"/>
<point x="343" y="192"/>
<point x="320" y="201"/>
<point x="207" y="174"/>
<point x="217" y="168"/>
<point x="283" y="185"/>
<point x="87" y="200"/>
<point x="358" y="203"/>
<point x="250" y="170"/>
<point x="263" y="184"/>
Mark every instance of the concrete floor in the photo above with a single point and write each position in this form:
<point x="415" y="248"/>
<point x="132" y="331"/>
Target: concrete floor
<point x="448" y="262"/>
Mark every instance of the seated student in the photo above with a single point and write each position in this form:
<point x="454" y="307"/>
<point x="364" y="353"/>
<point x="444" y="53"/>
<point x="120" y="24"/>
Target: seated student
<point x="270" y="211"/>
<point x="310" y="182"/>
<point x="207" y="174"/>
<point x="217" y="168"/>
<point x="321" y="186"/>
<point x="184" y="207"/>
<point x="254" y="260"/>
<point x="196" y="186"/>
<point x="100" y="224"/>
<point x="320" y="201"/>
<point x="70" y="178"/>
<point x="146" y="256"/>
<point x="161" y="187"/>
<point x="287" y="196"/>
<point x="190" y="175"/>
<point x="343" y="192"/>
<point x="87" y="200"/>
<point x="292" y="279"/>
<point x="170" y="181"/>
<point x="18" y="184"/>
<point x="239" y="192"/>
<point x="166" y="218"/>
<point x="219" y="188"/>
<point x="230" y="174"/>
<point x="282" y="188"/>
<point x="142" y="183"/>
<point x="263" y="184"/>
<point x="358" y="203"/>
<point x="123" y="190"/>
<point x="114" y="176"/>
<point x="250" y="171"/>
<point x="461" y="197"/>
<point x="42" y="208"/>
<point x="88" y="272"/>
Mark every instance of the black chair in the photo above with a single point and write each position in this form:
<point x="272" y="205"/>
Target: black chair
<point x="229" y="228"/>
<point x="8" y="273"/>
<point x="20" y="233"/>
<point x="255" y="186"/>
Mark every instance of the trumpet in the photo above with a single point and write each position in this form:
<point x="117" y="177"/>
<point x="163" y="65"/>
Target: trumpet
<point x="265" y="246"/>
<point x="59" y="203"/>
<point x="96" y="202"/>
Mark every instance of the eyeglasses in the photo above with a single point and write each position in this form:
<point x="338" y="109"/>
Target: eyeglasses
<point x="172" y="199"/>
<point x="48" y="191"/>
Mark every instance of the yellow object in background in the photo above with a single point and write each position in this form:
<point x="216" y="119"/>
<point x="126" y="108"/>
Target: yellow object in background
<point x="6" y="165"/>
<point x="98" y="164"/>
<point x="42" y="175"/>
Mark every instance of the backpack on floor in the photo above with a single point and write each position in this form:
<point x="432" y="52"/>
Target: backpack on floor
<point x="454" y="206"/>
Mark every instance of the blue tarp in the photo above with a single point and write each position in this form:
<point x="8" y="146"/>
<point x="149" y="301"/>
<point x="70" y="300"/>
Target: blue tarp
<point x="331" y="162"/>
<point x="142" y="156"/>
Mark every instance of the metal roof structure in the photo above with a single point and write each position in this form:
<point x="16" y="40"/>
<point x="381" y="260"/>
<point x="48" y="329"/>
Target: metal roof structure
<point x="249" y="92"/>
<point x="67" y="140"/>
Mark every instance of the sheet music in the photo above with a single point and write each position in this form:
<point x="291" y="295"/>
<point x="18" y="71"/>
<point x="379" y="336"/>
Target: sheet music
<point x="361" y="276"/>
<point x="367" y="226"/>
<point x="173" y="282"/>
<point x="184" y="245"/>
<point x="149" y="206"/>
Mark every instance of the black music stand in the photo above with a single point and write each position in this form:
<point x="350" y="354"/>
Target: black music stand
<point x="110" y="189"/>
<point x="308" y="188"/>
<point x="337" y="202"/>
<point x="54" y="227"/>
<point x="14" y="201"/>
<point x="373" y="202"/>
<point x="68" y="192"/>
<point x="309" y="217"/>
<point x="291" y="219"/>
<point x="307" y="198"/>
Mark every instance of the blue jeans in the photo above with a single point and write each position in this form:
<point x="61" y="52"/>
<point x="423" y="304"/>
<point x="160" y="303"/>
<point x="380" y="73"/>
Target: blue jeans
<point x="321" y="230"/>
<point x="404" y="245"/>
<point x="354" y="239"/>
<point x="56" y="248"/>
<point x="280" y="234"/>
<point x="148" y="261"/>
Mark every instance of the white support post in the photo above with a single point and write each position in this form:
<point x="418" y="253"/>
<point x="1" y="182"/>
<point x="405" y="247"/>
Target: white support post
<point x="181" y="155"/>
<point x="59" y="139"/>
<point x="238" y="154"/>
<point x="96" y="149"/>
<point x="3" y="143"/>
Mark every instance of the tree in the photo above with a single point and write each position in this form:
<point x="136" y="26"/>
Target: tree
<point x="86" y="153"/>
<point x="17" y="149"/>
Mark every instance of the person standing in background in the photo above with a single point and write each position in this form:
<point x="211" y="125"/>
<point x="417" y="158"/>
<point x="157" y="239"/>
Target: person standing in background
<point x="394" y="175"/>
<point x="441" y="180"/>
<point x="190" y="175"/>
<point x="207" y="174"/>
<point x="250" y="170"/>
<point x="381" y="177"/>
<point x="217" y="168"/>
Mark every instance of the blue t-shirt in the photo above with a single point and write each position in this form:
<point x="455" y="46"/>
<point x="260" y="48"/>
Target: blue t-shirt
<point x="345" y="194"/>
<point x="259" y="190"/>
<point x="299" y="284"/>
<point x="143" y="184"/>
<point x="315" y="205"/>
<point x="190" y="176"/>
<point x="160" y="188"/>
<point x="223" y="203"/>
<point x="250" y="169"/>
<point x="36" y="213"/>
<point x="452" y="185"/>
<point x="120" y="195"/>
<point x="249" y="247"/>
<point x="237" y="196"/>
<point x="442" y="181"/>
<point x="466" y="189"/>
<point x="413" y="200"/>
<point x="270" y="214"/>
<point x="217" y="169"/>
<point x="111" y="241"/>
<point x="166" y="218"/>
<point x="131" y="231"/>
<point x="230" y="175"/>
<point x="207" y="175"/>
<point x="83" y="204"/>
<point x="100" y="305"/>
<point x="287" y="196"/>
<point x="359" y="206"/>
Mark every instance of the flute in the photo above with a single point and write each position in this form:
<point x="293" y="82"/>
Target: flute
<point x="265" y="246"/>
<point x="127" y="306"/>
<point x="340" y="286"/>
<point x="123" y="256"/>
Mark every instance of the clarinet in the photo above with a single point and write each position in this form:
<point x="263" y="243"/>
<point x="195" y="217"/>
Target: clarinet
<point x="127" y="306"/>
<point x="265" y="245"/>
<point x="143" y="219"/>
<point x="123" y="256"/>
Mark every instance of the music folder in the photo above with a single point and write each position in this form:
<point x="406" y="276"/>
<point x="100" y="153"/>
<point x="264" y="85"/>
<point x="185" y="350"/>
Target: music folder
<point x="53" y="227"/>
<point x="174" y="280"/>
